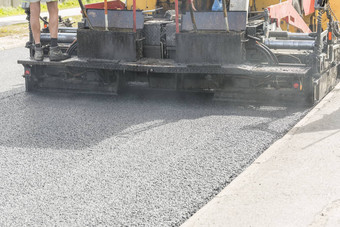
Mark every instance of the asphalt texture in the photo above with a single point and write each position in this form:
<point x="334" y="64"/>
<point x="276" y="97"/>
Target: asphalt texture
<point x="10" y="71"/>
<point x="139" y="159"/>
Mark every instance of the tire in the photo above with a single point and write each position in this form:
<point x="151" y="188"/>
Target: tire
<point x="28" y="84"/>
<point x="28" y="78"/>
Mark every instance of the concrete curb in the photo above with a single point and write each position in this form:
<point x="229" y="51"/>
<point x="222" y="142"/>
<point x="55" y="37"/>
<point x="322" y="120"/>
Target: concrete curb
<point x="282" y="182"/>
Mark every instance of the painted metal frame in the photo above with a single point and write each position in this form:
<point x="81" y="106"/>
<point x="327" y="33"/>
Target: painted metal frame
<point x="286" y="11"/>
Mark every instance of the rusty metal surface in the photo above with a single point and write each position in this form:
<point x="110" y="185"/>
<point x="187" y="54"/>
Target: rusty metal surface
<point x="119" y="19"/>
<point x="215" y="21"/>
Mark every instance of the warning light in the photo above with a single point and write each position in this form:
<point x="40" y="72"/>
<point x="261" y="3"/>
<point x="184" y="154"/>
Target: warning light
<point x="27" y="72"/>
<point x="330" y="36"/>
<point x="296" y="85"/>
<point x="45" y="25"/>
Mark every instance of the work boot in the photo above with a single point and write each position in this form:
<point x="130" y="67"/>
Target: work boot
<point x="38" y="53"/>
<point x="56" y="54"/>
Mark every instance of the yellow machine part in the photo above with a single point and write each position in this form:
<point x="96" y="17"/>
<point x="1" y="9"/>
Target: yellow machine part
<point x="255" y="5"/>
<point x="167" y="4"/>
<point x="260" y="5"/>
<point x="335" y="6"/>
<point x="151" y="4"/>
<point x="142" y="4"/>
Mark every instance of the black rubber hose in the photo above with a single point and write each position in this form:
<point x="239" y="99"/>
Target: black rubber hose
<point x="264" y="49"/>
<point x="265" y="52"/>
<point x="276" y="61"/>
<point x="45" y="21"/>
<point x="73" y="47"/>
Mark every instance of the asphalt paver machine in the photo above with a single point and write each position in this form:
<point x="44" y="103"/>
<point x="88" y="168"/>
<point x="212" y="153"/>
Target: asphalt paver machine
<point x="247" y="50"/>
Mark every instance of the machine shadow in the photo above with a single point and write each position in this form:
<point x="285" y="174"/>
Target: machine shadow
<point x="326" y="123"/>
<point x="77" y="121"/>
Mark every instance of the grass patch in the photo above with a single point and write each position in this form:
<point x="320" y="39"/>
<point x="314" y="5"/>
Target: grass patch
<point x="22" y="29"/>
<point x="11" y="30"/>
<point x="12" y="11"/>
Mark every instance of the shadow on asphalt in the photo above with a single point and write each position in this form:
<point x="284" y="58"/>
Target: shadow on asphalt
<point x="78" y="121"/>
<point x="326" y="123"/>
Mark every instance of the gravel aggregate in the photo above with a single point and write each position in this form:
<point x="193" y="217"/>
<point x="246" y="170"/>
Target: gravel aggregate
<point x="150" y="160"/>
<point x="10" y="73"/>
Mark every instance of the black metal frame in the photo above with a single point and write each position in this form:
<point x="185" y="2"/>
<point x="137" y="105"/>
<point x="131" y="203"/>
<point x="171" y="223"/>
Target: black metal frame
<point x="315" y="76"/>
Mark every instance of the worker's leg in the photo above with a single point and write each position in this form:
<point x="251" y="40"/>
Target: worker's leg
<point x="54" y="17"/>
<point x="35" y="22"/>
<point x="35" y="26"/>
<point x="55" y="52"/>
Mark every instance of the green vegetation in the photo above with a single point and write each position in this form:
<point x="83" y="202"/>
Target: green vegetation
<point x="22" y="29"/>
<point x="17" y="29"/>
<point x="11" y="11"/>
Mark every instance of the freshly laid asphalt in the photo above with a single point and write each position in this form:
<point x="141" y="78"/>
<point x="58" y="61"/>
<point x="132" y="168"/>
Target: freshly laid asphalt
<point x="143" y="158"/>
<point x="295" y="182"/>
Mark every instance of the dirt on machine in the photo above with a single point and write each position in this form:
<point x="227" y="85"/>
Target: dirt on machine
<point x="253" y="50"/>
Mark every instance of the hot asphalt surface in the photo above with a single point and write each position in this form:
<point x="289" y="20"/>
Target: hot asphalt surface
<point x="143" y="158"/>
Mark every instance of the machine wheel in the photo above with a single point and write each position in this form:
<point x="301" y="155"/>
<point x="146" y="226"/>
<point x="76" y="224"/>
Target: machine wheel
<point x="28" y="84"/>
